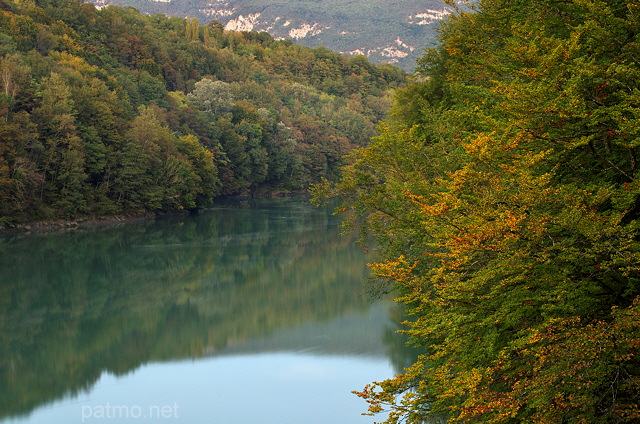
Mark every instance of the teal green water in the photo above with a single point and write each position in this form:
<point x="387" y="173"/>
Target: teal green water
<point x="252" y="311"/>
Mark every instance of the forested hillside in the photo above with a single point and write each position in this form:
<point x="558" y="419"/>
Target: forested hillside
<point x="386" y="31"/>
<point x="108" y="111"/>
<point x="504" y="193"/>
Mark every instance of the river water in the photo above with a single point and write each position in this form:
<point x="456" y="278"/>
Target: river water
<point x="250" y="312"/>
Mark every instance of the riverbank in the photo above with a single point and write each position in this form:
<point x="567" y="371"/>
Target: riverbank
<point x="61" y="224"/>
<point x="86" y="221"/>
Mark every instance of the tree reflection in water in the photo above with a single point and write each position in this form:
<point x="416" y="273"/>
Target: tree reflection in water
<point x="243" y="276"/>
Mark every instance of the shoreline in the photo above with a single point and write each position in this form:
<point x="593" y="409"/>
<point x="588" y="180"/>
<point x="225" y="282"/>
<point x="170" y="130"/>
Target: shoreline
<point x="71" y="224"/>
<point x="47" y="225"/>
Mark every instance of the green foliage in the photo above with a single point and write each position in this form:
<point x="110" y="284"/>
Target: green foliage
<point x="503" y="193"/>
<point x="212" y="96"/>
<point x="101" y="111"/>
<point x="387" y="31"/>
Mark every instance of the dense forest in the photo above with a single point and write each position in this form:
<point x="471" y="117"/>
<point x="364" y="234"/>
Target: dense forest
<point x="504" y="194"/>
<point x="109" y="111"/>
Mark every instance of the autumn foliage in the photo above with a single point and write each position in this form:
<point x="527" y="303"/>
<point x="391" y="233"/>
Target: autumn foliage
<point x="106" y="111"/>
<point x="503" y="192"/>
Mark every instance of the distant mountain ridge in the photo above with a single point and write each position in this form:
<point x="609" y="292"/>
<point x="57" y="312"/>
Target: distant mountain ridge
<point x="386" y="31"/>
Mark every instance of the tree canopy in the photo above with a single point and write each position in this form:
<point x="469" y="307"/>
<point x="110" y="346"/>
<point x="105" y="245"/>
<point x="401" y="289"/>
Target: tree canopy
<point x="504" y="196"/>
<point x="107" y="111"/>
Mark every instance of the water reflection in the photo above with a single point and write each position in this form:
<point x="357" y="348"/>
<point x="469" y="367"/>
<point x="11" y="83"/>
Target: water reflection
<point x="245" y="278"/>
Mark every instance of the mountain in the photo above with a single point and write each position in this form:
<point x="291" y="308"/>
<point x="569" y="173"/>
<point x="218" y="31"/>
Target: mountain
<point x="386" y="31"/>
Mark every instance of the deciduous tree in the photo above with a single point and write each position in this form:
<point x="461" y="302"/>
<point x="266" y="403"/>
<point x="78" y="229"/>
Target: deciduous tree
<point x="504" y="196"/>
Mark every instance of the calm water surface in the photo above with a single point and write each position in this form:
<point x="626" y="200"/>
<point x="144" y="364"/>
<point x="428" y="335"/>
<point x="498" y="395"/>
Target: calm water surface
<point x="251" y="312"/>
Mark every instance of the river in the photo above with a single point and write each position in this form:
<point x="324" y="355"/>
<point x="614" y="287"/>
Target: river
<point x="252" y="311"/>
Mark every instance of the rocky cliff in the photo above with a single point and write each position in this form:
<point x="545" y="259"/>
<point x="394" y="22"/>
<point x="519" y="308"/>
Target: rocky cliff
<point x="386" y="31"/>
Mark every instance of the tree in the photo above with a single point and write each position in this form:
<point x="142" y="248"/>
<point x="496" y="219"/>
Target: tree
<point x="212" y="96"/>
<point x="192" y="30"/>
<point x="12" y="75"/>
<point x="503" y="194"/>
<point x="62" y="155"/>
<point x="167" y="173"/>
<point x="9" y="138"/>
<point x="204" y="180"/>
<point x="235" y="164"/>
